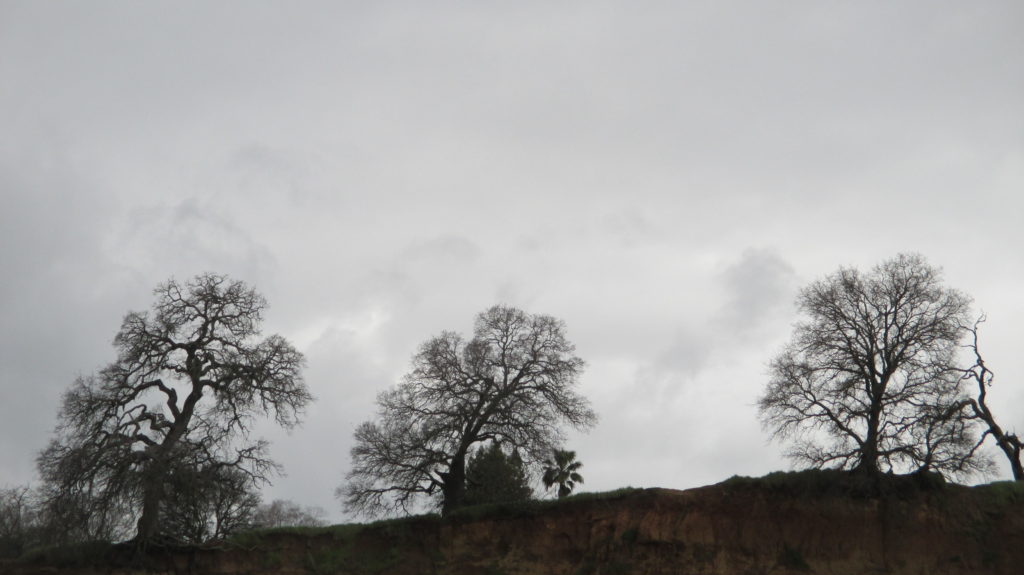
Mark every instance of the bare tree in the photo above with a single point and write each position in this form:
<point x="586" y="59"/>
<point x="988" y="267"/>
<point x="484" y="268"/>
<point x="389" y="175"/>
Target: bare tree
<point x="189" y="380"/>
<point x="513" y="382"/>
<point x="869" y="380"/>
<point x="210" y="502"/>
<point x="979" y="373"/>
<point x="19" y="521"/>
<point x="284" y="513"/>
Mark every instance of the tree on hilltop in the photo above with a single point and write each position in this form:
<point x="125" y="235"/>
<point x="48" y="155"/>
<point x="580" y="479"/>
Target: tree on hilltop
<point x="166" y="425"/>
<point x="870" y="379"/>
<point x="513" y="382"/>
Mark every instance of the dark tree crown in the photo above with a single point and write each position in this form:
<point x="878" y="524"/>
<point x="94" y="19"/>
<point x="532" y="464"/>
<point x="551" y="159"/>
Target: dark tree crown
<point x="870" y="379"/>
<point x="166" y="425"/>
<point x="513" y="382"/>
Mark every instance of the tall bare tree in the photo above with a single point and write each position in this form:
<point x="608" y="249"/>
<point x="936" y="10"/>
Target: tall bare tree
<point x="512" y="382"/>
<point x="869" y="380"/>
<point x="188" y="382"/>
<point x="979" y="373"/>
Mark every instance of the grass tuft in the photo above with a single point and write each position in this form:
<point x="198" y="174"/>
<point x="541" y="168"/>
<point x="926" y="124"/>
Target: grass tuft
<point x="1001" y="493"/>
<point x="839" y="483"/>
<point x="531" y="507"/>
<point x="86" y="554"/>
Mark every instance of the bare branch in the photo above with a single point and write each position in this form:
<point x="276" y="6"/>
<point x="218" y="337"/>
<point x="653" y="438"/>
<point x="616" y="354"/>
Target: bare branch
<point x="982" y="377"/>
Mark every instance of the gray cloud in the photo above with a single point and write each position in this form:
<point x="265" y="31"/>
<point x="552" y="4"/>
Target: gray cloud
<point x="750" y="298"/>
<point x="758" y="288"/>
<point x="662" y="179"/>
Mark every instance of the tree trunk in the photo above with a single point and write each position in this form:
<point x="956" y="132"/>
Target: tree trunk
<point x="868" y="463"/>
<point x="152" y="496"/>
<point x="153" y="489"/>
<point x="1018" y="470"/>
<point x="454" y="488"/>
<point x="1011" y="447"/>
<point x="1009" y="443"/>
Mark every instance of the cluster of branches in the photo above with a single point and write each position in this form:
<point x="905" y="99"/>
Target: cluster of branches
<point x="223" y="506"/>
<point x="981" y="376"/>
<point x="161" y="435"/>
<point x="284" y="513"/>
<point x="21" y="524"/>
<point x="512" y="382"/>
<point x="872" y="379"/>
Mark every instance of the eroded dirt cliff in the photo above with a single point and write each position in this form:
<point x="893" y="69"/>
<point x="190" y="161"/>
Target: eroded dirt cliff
<point x="740" y="527"/>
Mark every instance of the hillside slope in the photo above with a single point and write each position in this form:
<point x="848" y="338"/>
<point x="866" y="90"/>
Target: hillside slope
<point x="781" y="524"/>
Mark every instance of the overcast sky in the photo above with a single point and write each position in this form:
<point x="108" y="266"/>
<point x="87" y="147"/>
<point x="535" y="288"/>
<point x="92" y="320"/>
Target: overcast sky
<point x="662" y="176"/>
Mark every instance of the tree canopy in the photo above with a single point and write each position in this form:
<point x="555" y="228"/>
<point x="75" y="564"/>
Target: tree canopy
<point x="870" y="380"/>
<point x="513" y="381"/>
<point x="162" y="433"/>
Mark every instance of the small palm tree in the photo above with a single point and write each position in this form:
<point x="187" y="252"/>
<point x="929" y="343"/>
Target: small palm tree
<point x="562" y="469"/>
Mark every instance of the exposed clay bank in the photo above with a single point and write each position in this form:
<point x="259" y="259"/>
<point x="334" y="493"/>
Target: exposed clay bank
<point x="785" y="523"/>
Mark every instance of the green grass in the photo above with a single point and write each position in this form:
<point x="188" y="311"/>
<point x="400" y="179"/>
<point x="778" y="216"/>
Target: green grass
<point x="343" y="537"/>
<point x="1001" y="493"/>
<point x="838" y="483"/>
<point x="73" y="555"/>
<point x="347" y="550"/>
<point x="341" y="532"/>
<point x="532" y="507"/>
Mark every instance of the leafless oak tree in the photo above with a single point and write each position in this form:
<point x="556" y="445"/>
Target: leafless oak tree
<point x="178" y="402"/>
<point x="869" y="380"/>
<point x="512" y="382"/>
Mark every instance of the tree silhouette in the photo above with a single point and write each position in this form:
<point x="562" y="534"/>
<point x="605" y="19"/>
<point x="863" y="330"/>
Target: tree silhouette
<point x="513" y="382"/>
<point x="492" y="476"/>
<point x="168" y="421"/>
<point x="20" y="521"/>
<point x="979" y="373"/>
<point x="562" y="470"/>
<point x="870" y="380"/>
